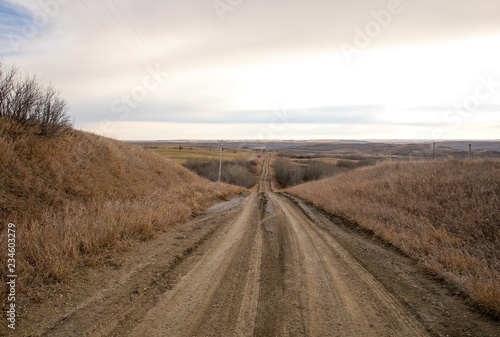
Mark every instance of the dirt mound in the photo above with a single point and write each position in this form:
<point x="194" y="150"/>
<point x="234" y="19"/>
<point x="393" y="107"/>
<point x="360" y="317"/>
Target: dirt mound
<point x="75" y="198"/>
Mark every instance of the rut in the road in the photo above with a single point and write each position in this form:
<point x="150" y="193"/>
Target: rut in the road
<point x="279" y="299"/>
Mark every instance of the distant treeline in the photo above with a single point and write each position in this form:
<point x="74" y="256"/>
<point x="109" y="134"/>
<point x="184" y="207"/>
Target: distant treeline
<point x="290" y="173"/>
<point x="236" y="172"/>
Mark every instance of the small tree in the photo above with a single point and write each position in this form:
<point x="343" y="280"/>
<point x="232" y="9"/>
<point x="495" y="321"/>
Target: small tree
<point x="29" y="105"/>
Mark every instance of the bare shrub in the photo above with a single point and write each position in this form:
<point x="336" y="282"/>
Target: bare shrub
<point x="284" y="172"/>
<point x="289" y="174"/>
<point x="316" y="170"/>
<point x="356" y="163"/>
<point x="29" y="105"/>
<point x="236" y="172"/>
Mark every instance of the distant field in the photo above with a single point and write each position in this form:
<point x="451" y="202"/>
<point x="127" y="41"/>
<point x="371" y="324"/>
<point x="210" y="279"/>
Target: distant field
<point x="172" y="152"/>
<point x="340" y="149"/>
<point x="403" y="151"/>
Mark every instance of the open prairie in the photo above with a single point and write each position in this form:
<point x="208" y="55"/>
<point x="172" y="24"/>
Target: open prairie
<point x="262" y="264"/>
<point x="181" y="152"/>
<point x="230" y="168"/>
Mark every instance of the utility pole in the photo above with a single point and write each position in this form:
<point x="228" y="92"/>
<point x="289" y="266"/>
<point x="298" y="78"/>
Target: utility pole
<point x="470" y="151"/>
<point x="433" y="150"/>
<point x="220" y="157"/>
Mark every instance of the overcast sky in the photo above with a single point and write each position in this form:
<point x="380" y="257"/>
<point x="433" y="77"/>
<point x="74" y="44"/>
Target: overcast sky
<point x="265" y="69"/>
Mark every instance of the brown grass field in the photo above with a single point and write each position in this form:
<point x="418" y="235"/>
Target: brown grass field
<point x="76" y="198"/>
<point x="445" y="214"/>
<point x="172" y="152"/>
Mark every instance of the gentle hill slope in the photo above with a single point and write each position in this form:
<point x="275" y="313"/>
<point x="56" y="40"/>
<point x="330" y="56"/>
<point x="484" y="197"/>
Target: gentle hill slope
<point x="446" y="214"/>
<point x="75" y="198"/>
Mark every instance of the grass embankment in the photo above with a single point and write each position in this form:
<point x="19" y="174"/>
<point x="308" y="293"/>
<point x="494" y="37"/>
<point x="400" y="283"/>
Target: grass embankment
<point x="445" y="214"/>
<point x="76" y="198"/>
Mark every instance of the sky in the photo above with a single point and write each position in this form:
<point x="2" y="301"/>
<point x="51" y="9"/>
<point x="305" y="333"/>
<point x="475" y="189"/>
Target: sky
<point x="265" y="69"/>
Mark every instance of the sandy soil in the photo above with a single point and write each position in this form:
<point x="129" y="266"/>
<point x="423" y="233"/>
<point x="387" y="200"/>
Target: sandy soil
<point x="261" y="265"/>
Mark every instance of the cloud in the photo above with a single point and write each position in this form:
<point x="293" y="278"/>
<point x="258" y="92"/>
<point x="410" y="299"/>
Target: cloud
<point x="12" y="19"/>
<point x="263" y="56"/>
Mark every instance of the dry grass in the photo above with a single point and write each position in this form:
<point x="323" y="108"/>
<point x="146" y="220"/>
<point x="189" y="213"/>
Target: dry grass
<point x="199" y="152"/>
<point x="77" y="198"/>
<point x="445" y="214"/>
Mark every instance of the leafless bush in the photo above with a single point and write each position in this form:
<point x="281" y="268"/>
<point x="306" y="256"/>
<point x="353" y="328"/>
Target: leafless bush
<point x="285" y="172"/>
<point x="316" y="170"/>
<point x="357" y="163"/>
<point x="236" y="172"/>
<point x="30" y="105"/>
<point x="291" y="174"/>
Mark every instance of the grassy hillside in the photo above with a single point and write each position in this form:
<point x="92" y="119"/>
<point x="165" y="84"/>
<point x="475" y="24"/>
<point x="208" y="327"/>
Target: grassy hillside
<point x="76" y="198"/>
<point x="446" y="214"/>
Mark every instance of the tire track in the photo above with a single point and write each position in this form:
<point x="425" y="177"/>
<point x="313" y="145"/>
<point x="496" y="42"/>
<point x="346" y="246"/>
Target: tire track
<point x="343" y="298"/>
<point x="182" y="310"/>
<point x="248" y="311"/>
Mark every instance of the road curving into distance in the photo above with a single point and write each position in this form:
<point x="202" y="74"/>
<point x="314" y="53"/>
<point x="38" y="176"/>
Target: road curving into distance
<point x="268" y="265"/>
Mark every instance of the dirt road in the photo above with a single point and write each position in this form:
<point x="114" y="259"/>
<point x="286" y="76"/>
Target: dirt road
<point x="260" y="265"/>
